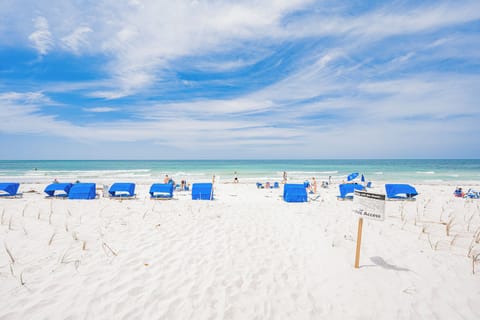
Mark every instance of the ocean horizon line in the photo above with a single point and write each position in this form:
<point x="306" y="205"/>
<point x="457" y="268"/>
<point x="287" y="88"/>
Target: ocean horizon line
<point x="252" y="159"/>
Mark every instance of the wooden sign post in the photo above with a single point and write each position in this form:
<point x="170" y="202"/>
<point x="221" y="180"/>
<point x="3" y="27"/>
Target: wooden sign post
<point x="359" y="242"/>
<point x="369" y="206"/>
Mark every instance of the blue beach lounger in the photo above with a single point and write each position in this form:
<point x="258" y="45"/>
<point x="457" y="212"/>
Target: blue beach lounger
<point x="472" y="194"/>
<point x="294" y="193"/>
<point x="122" y="190"/>
<point x="58" y="190"/>
<point x="82" y="191"/>
<point x="161" y="191"/>
<point x="202" y="191"/>
<point x="347" y="190"/>
<point x="9" y="190"/>
<point x="400" y="192"/>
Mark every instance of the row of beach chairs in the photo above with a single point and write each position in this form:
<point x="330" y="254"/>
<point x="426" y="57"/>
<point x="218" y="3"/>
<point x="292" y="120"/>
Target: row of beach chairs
<point x="298" y="192"/>
<point x="200" y="191"/>
<point x="121" y="190"/>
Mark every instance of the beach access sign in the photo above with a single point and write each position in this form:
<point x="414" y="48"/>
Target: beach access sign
<point x="369" y="205"/>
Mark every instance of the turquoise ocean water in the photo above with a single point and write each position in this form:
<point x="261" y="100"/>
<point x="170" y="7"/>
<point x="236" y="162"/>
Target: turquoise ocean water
<point x="410" y="171"/>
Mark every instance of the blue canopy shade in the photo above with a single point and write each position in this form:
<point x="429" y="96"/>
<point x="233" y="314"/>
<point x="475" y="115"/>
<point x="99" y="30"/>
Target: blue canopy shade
<point x="202" y="191"/>
<point x="352" y="176"/>
<point x="84" y="191"/>
<point x="122" y="189"/>
<point x="161" y="190"/>
<point x="294" y="193"/>
<point x="400" y="191"/>
<point x="64" y="189"/>
<point x="10" y="188"/>
<point x="347" y="190"/>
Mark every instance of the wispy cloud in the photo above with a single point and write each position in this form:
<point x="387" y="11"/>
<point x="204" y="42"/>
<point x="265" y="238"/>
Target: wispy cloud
<point x="100" y="109"/>
<point x="41" y="38"/>
<point x="271" y="78"/>
<point x="77" y="40"/>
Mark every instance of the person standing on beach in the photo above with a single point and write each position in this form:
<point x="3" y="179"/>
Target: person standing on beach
<point x="235" y="179"/>
<point x="313" y="185"/>
<point x="284" y="177"/>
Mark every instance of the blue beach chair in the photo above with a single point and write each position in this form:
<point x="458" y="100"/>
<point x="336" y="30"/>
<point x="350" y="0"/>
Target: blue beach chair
<point x="472" y="194"/>
<point x="161" y="191"/>
<point x="58" y="190"/>
<point x="295" y="193"/>
<point x="82" y="191"/>
<point x="122" y="190"/>
<point x="9" y="190"/>
<point x="400" y="192"/>
<point x="347" y="190"/>
<point x="202" y="191"/>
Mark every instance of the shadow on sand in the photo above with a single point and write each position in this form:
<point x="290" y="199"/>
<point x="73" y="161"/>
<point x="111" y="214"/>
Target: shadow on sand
<point x="378" y="261"/>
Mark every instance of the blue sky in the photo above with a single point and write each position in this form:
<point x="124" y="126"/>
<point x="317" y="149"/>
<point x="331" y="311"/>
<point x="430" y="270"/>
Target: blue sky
<point x="239" y="79"/>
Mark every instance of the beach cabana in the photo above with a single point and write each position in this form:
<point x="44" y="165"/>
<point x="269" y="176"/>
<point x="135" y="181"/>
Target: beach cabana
<point x="161" y="191"/>
<point x="83" y="191"/>
<point x="400" y="192"/>
<point x="347" y="190"/>
<point x="9" y="190"/>
<point x="58" y="190"/>
<point x="202" y="191"/>
<point x="122" y="190"/>
<point x="294" y="193"/>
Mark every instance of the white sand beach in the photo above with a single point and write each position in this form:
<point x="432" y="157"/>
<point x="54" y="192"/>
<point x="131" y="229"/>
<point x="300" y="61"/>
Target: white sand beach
<point x="245" y="255"/>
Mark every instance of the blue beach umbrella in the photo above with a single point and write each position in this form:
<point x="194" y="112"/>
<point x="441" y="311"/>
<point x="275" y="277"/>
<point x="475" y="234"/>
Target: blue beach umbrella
<point x="363" y="178"/>
<point x="352" y="176"/>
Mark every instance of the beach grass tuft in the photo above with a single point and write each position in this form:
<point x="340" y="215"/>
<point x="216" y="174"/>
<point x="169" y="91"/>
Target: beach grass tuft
<point x="106" y="246"/>
<point x="449" y="226"/>
<point x="51" y="239"/>
<point x="475" y="259"/>
<point x="22" y="282"/>
<point x="10" y="255"/>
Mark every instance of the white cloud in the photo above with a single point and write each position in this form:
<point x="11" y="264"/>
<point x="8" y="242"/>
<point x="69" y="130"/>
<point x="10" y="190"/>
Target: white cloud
<point x="77" y="40"/>
<point x="25" y="97"/>
<point x="41" y="38"/>
<point x="143" y="38"/>
<point x="341" y="77"/>
<point x="100" y="109"/>
<point x="387" y="21"/>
